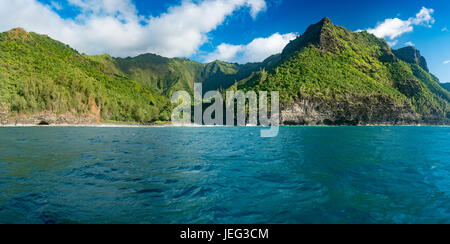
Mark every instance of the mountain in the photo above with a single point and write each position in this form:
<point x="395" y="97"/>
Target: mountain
<point x="168" y="75"/>
<point x="332" y="76"/>
<point x="412" y="56"/>
<point x="45" y="81"/>
<point x="327" y="76"/>
<point x="446" y="86"/>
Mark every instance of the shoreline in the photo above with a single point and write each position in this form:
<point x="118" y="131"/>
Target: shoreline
<point x="125" y="125"/>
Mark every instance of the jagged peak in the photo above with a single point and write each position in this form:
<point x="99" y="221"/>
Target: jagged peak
<point x="326" y="20"/>
<point x="318" y="34"/>
<point x="318" y="28"/>
<point x="411" y="55"/>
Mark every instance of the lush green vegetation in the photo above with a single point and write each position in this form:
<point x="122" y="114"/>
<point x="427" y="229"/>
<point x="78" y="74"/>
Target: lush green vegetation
<point x="167" y="76"/>
<point x="327" y="63"/>
<point x="171" y="75"/>
<point x="446" y="86"/>
<point x="40" y="74"/>
<point x="332" y="64"/>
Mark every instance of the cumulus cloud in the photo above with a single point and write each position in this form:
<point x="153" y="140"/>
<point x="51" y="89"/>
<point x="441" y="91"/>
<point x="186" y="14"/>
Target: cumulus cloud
<point x="115" y="27"/>
<point x="447" y="62"/>
<point x="410" y="44"/>
<point x="393" y="28"/>
<point x="256" y="51"/>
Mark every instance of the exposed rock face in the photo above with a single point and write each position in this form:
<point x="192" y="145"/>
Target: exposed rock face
<point x="91" y="116"/>
<point x="49" y="118"/>
<point x="362" y="111"/>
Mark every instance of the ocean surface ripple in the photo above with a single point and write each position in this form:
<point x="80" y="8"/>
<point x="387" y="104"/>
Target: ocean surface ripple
<point x="225" y="175"/>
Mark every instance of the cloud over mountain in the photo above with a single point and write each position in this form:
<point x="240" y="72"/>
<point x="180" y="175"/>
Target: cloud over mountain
<point x="115" y="26"/>
<point x="256" y="51"/>
<point x="393" y="28"/>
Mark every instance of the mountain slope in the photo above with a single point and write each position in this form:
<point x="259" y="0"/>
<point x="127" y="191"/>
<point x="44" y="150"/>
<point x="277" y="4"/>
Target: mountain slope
<point x="42" y="79"/>
<point x="330" y="75"/>
<point x="412" y="56"/>
<point x="446" y="86"/>
<point x="168" y="75"/>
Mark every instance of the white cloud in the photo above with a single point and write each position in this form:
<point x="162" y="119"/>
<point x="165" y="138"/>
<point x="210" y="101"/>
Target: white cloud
<point x="410" y="44"/>
<point x="447" y="62"/>
<point x="393" y="43"/>
<point x="396" y="27"/>
<point x="391" y="28"/>
<point x="445" y="29"/>
<point x="115" y="27"/>
<point x="256" y="7"/>
<point x="424" y="17"/>
<point x="256" y="51"/>
<point x="225" y="52"/>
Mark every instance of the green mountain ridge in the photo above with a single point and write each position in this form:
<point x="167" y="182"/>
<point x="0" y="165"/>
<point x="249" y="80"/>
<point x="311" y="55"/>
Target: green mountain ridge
<point x="329" y="75"/>
<point x="412" y="56"/>
<point x="168" y="75"/>
<point x="42" y="79"/>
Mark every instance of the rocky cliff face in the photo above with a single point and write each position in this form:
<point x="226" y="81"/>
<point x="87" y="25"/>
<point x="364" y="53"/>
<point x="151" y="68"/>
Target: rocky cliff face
<point x="91" y="116"/>
<point x="369" y="110"/>
<point x="50" y="118"/>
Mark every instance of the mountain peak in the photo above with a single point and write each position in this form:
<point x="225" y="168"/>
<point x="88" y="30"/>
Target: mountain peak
<point x="319" y="34"/>
<point x="18" y="29"/>
<point x="411" y="55"/>
<point x="326" y="20"/>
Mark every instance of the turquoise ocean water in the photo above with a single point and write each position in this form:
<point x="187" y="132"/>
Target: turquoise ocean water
<point x="225" y="175"/>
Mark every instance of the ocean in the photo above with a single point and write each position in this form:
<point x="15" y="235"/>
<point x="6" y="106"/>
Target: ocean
<point x="225" y="175"/>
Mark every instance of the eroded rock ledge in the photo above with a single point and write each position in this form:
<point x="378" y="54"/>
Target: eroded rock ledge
<point x="362" y="111"/>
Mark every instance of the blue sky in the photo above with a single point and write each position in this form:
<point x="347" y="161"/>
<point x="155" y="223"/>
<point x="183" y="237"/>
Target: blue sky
<point x="232" y="30"/>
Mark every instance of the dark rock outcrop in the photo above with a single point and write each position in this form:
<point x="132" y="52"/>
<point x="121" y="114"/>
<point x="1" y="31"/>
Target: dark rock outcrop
<point x="313" y="35"/>
<point x="49" y="118"/>
<point x="358" y="111"/>
<point x="43" y="123"/>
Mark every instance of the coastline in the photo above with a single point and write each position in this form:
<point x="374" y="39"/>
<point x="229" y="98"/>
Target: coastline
<point x="101" y="125"/>
<point x="130" y="125"/>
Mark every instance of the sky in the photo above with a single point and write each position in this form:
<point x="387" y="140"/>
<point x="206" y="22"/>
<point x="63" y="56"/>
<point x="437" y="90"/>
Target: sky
<point x="230" y="30"/>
